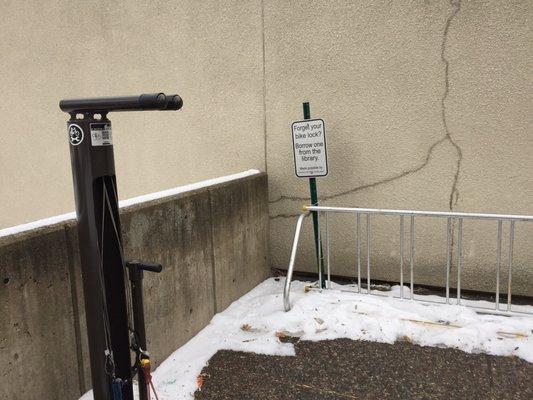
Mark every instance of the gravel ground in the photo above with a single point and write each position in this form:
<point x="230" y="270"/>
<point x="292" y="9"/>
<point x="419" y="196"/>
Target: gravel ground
<point x="345" y="369"/>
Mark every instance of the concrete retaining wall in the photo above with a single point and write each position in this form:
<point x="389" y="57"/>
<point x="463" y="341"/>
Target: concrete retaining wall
<point x="212" y="243"/>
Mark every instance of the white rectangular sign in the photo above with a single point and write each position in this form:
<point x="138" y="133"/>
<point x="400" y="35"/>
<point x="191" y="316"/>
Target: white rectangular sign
<point x="309" y="145"/>
<point x="101" y="134"/>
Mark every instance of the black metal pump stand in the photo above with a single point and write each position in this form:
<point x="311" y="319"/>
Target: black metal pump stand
<point x="100" y="240"/>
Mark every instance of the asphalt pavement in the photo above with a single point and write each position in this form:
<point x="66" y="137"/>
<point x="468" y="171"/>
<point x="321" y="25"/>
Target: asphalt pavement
<point x="344" y="369"/>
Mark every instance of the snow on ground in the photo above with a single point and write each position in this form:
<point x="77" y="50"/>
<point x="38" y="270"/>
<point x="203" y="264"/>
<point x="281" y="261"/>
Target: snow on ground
<point x="255" y="321"/>
<point x="128" y="202"/>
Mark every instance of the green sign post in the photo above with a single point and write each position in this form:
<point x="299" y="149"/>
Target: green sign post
<point x="310" y="161"/>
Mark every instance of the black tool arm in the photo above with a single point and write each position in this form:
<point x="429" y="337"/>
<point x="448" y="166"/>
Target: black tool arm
<point x="144" y="266"/>
<point x="143" y="102"/>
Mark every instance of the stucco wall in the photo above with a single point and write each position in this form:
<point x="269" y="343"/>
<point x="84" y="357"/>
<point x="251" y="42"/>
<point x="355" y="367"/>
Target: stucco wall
<point x="210" y="52"/>
<point x="427" y="106"/>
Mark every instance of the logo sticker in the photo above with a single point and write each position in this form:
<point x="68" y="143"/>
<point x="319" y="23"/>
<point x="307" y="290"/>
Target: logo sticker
<point x="75" y="134"/>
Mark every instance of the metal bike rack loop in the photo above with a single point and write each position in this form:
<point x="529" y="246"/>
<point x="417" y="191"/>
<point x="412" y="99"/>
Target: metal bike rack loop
<point x="324" y="211"/>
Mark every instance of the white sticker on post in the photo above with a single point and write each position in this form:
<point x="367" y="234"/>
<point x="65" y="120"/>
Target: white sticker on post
<point x="309" y="145"/>
<point x="101" y="134"/>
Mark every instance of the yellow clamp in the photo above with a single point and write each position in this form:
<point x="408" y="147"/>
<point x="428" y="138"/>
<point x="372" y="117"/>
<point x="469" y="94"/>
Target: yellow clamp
<point x="145" y="362"/>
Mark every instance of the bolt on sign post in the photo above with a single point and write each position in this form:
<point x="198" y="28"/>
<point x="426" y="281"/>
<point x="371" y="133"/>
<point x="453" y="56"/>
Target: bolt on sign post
<point x="109" y="312"/>
<point x="311" y="161"/>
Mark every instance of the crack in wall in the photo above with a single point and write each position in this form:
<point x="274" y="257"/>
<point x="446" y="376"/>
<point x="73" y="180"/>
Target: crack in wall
<point x="454" y="192"/>
<point x="362" y="187"/>
<point x="265" y="137"/>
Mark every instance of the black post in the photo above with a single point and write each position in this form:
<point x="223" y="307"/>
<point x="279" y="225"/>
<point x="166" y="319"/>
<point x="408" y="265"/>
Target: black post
<point x="136" y="269"/>
<point x="100" y="240"/>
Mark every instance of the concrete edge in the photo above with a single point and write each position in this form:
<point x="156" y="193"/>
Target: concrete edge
<point x="70" y="222"/>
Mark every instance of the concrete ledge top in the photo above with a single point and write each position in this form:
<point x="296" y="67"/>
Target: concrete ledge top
<point x="55" y="223"/>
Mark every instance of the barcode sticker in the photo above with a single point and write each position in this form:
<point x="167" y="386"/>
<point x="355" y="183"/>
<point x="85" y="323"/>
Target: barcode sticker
<point x="101" y="134"/>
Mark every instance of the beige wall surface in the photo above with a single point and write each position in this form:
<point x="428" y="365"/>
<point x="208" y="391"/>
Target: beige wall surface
<point x="210" y="52"/>
<point x="427" y="106"/>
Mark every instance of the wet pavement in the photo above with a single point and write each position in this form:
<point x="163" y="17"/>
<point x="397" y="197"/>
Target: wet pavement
<point x="345" y="369"/>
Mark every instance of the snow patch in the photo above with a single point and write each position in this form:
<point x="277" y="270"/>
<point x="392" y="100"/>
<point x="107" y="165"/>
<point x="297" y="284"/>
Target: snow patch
<point x="254" y="322"/>
<point x="41" y="223"/>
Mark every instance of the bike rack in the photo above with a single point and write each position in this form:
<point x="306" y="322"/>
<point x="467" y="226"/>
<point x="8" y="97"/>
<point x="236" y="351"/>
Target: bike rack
<point x="324" y="211"/>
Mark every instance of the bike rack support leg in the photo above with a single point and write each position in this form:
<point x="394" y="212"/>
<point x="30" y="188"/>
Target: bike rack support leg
<point x="287" y="287"/>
